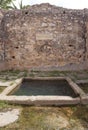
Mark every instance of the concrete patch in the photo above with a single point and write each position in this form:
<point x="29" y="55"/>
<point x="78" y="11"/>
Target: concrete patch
<point x="8" y="117"/>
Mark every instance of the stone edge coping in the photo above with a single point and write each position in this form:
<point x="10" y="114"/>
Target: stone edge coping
<point x="84" y="98"/>
<point x="11" y="87"/>
<point x="63" y="100"/>
<point x="41" y="100"/>
<point x="82" y="94"/>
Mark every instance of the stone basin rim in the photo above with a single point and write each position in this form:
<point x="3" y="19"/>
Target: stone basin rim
<point x="43" y="100"/>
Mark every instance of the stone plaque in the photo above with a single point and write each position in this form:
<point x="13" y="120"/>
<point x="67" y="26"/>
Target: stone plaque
<point x="44" y="36"/>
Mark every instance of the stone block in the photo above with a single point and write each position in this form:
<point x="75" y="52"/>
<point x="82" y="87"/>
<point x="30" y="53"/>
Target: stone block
<point x="44" y="36"/>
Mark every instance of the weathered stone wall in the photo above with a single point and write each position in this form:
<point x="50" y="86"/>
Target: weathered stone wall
<point x="44" y="36"/>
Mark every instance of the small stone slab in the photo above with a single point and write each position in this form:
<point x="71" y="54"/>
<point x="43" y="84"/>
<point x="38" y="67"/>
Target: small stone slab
<point x="8" y="117"/>
<point x="44" y="36"/>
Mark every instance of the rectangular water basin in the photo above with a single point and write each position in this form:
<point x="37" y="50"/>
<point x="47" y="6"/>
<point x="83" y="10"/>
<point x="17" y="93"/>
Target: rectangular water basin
<point x="34" y="87"/>
<point x="44" y="91"/>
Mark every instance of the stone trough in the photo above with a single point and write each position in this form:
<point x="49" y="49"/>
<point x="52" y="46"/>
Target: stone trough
<point x="61" y="91"/>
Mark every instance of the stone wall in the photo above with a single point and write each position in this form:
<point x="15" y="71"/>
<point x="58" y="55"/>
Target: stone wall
<point x="44" y="37"/>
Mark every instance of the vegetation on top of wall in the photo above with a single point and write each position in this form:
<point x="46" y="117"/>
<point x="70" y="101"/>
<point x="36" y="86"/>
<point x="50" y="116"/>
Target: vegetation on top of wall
<point x="5" y="4"/>
<point x="9" y="4"/>
<point x="21" y="6"/>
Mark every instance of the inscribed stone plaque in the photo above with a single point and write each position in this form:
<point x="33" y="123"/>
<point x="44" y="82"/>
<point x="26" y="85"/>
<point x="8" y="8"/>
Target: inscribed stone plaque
<point x="44" y="36"/>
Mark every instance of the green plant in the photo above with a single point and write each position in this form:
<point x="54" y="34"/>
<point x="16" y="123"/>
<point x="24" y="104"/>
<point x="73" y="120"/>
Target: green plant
<point x="5" y="4"/>
<point x="21" y="6"/>
<point x="2" y="88"/>
<point x="3" y="105"/>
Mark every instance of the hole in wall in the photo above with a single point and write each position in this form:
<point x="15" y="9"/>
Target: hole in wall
<point x="70" y="45"/>
<point x="79" y="56"/>
<point x="13" y="57"/>
<point x="64" y="12"/>
<point x="26" y="12"/>
<point x="17" y="47"/>
<point x="70" y="64"/>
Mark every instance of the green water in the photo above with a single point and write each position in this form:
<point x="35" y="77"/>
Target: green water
<point x="45" y="87"/>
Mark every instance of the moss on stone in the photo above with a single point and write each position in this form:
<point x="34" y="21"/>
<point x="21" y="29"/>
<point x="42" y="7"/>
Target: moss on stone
<point x="2" y="88"/>
<point x="46" y="118"/>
